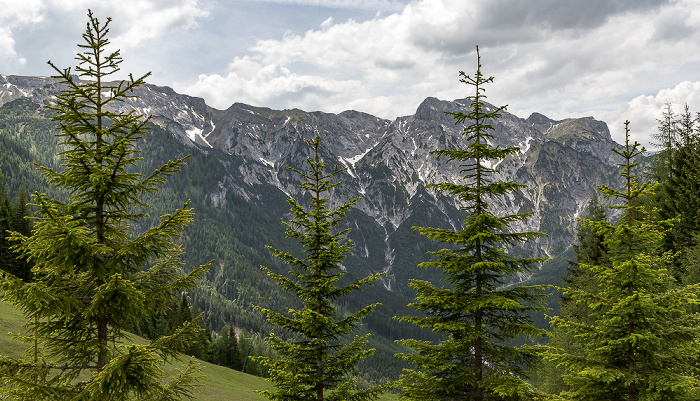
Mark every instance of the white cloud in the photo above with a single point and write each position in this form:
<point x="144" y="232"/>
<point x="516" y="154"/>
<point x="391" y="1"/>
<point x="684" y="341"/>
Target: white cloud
<point x="154" y="19"/>
<point x="327" y="23"/>
<point x="135" y="21"/>
<point x="380" y="5"/>
<point x="644" y="110"/>
<point x="544" y="59"/>
<point x="16" y="14"/>
<point x="270" y="85"/>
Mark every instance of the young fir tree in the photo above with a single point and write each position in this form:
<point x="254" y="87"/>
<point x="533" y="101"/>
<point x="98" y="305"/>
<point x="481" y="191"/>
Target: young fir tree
<point x="666" y="139"/>
<point x="22" y="269"/>
<point x="225" y="350"/>
<point x="13" y="219"/>
<point x="642" y="341"/>
<point x="93" y="278"/>
<point x="317" y="361"/>
<point x="478" y="311"/>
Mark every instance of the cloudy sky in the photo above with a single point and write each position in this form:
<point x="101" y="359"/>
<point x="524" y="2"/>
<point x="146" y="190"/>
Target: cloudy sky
<point x="611" y="59"/>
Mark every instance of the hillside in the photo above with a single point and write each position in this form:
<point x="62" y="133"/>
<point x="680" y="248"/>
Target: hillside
<point x="218" y="383"/>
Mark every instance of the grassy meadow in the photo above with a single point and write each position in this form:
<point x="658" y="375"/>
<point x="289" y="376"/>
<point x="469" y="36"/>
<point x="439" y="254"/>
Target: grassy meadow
<point x="218" y="383"/>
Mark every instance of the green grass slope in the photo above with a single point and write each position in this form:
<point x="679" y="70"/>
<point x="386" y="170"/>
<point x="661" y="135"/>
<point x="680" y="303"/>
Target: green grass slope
<point x="218" y="383"/>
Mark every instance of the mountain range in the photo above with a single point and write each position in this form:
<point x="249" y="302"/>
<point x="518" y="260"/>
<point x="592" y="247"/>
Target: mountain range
<point x="238" y="180"/>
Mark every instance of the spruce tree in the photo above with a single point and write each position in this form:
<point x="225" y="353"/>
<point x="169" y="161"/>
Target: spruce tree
<point x="643" y="340"/>
<point x="20" y="211"/>
<point x="184" y="314"/>
<point x="93" y="276"/>
<point x="219" y="348"/>
<point x="685" y="129"/>
<point x="233" y="354"/>
<point x="317" y="360"/>
<point x="589" y="249"/>
<point x="477" y="311"/>
<point x="667" y="140"/>
<point x="13" y="219"/>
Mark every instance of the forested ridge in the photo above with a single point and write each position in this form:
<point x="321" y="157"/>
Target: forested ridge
<point x="625" y="321"/>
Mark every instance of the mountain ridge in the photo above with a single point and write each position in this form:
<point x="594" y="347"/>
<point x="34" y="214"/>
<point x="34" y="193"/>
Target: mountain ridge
<point x="388" y="162"/>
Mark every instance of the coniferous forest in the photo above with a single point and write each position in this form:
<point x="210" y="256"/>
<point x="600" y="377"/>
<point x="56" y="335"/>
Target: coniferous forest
<point x="99" y="245"/>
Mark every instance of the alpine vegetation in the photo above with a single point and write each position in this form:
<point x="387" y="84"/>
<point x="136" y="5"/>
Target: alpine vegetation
<point x="317" y="361"/>
<point x="93" y="277"/>
<point x="640" y="342"/>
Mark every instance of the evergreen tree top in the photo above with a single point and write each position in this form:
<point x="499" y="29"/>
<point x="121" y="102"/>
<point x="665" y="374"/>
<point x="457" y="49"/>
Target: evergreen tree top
<point x="472" y="159"/>
<point x="627" y="237"/>
<point x="479" y="312"/>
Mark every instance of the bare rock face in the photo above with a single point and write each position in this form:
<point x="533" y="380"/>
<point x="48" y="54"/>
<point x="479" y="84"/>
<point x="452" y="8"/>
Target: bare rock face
<point x="388" y="163"/>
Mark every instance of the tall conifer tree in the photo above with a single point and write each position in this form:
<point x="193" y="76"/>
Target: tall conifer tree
<point x="93" y="278"/>
<point x="667" y="140"/>
<point x="643" y="340"/>
<point x="316" y="362"/>
<point x="13" y="219"/>
<point x="589" y="250"/>
<point x="477" y="312"/>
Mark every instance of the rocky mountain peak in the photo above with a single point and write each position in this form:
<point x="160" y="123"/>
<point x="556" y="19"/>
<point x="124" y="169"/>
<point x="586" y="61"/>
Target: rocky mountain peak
<point x="599" y="128"/>
<point x="541" y="122"/>
<point x="433" y="109"/>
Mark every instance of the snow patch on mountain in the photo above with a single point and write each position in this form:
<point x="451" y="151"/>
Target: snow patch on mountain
<point x="267" y="162"/>
<point x="354" y="159"/>
<point x="525" y="145"/>
<point x="491" y="163"/>
<point x="192" y="133"/>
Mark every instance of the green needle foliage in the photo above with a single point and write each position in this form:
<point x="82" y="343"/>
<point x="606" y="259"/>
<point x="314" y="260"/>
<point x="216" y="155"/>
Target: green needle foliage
<point x="642" y="341"/>
<point x="13" y="219"/>
<point x="589" y="250"/>
<point x="478" y="312"/>
<point x="316" y="363"/>
<point x="682" y="186"/>
<point x="92" y="278"/>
